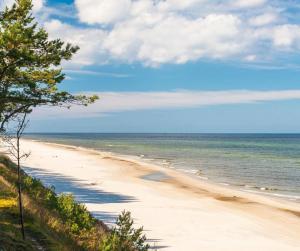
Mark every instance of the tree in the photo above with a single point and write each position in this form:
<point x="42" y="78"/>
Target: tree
<point x="124" y="237"/>
<point x="30" y="62"/>
<point x="12" y="143"/>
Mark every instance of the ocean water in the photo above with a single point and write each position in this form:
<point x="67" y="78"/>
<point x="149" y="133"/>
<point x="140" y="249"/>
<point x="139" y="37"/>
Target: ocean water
<point x="260" y="163"/>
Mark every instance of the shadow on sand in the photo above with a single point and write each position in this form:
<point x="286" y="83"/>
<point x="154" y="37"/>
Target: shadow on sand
<point x="85" y="193"/>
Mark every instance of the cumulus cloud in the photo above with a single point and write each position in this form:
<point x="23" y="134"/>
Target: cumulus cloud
<point x="175" y="31"/>
<point x="161" y="41"/>
<point x="156" y="32"/>
<point x="112" y="102"/>
<point x="179" y="4"/>
<point x="286" y="36"/>
<point x="102" y="11"/>
<point x="88" y="39"/>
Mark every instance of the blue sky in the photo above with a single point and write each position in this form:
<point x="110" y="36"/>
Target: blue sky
<point x="177" y="66"/>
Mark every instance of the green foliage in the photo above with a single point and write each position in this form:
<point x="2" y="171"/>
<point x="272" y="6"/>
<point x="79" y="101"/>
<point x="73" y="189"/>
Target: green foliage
<point x="78" y="224"/>
<point x="30" y="64"/>
<point x="10" y="235"/>
<point x="35" y="188"/>
<point x="69" y="221"/>
<point x="76" y="215"/>
<point x="124" y="237"/>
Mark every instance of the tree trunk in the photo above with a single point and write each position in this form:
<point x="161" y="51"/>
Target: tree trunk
<point x="20" y="191"/>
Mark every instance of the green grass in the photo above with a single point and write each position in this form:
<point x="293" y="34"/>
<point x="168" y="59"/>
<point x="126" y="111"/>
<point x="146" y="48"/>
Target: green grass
<point x="51" y="222"/>
<point x="10" y="235"/>
<point x="57" y="222"/>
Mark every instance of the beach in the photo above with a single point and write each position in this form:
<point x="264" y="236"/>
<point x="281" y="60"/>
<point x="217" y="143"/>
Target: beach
<point x="178" y="211"/>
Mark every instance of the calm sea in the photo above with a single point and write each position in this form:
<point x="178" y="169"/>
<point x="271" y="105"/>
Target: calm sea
<point x="261" y="163"/>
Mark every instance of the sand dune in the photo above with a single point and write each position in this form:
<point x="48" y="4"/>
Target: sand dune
<point x="178" y="212"/>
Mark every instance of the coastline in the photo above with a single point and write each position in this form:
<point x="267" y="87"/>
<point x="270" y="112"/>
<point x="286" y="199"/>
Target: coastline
<point x="263" y="192"/>
<point x="177" y="210"/>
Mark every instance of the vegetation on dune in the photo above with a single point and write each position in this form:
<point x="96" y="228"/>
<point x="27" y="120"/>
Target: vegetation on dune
<point x="124" y="236"/>
<point x="10" y="234"/>
<point x="30" y="72"/>
<point x="57" y="222"/>
<point x="43" y="221"/>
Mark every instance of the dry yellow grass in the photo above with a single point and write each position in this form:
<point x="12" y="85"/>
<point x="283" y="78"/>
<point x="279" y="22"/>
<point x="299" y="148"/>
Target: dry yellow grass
<point x="9" y="202"/>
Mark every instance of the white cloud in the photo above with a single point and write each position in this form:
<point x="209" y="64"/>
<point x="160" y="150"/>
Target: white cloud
<point x="248" y="3"/>
<point x="88" y="39"/>
<point x="37" y="4"/>
<point x="250" y="58"/>
<point x="102" y="11"/>
<point x="174" y="39"/>
<point x="6" y="3"/>
<point x="111" y="102"/>
<point x="263" y="19"/>
<point x="97" y="73"/>
<point x="286" y="36"/>
<point x="175" y="31"/>
<point x="179" y="4"/>
<point x="150" y="33"/>
<point x="156" y="32"/>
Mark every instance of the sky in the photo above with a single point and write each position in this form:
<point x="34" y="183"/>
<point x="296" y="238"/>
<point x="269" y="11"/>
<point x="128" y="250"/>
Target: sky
<point x="207" y="66"/>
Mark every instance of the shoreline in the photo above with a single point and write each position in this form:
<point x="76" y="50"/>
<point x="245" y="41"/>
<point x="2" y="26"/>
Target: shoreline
<point x="180" y="192"/>
<point x="243" y="188"/>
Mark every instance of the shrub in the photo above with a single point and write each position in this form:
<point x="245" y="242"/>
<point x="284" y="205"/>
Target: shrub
<point x="124" y="237"/>
<point x="76" y="215"/>
<point x="35" y="188"/>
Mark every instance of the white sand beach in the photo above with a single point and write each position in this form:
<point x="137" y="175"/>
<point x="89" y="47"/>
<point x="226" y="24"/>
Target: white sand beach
<point x="178" y="213"/>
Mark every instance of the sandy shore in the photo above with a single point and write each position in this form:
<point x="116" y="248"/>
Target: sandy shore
<point x="178" y="212"/>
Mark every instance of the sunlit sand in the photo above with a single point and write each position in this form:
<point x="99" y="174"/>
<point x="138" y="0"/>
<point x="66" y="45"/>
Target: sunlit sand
<point x="178" y="212"/>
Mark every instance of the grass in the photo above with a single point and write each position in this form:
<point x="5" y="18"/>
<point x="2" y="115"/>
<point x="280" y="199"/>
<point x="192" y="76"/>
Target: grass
<point x="10" y="235"/>
<point x="49" y="225"/>
<point x="57" y="222"/>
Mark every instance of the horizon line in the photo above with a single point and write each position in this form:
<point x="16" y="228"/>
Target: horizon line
<point x="161" y="133"/>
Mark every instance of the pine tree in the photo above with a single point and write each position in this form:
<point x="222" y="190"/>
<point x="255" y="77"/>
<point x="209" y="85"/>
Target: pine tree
<point x="30" y="65"/>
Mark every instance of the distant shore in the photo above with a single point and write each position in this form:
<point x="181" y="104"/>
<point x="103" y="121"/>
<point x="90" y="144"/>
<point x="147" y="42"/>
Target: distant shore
<point x="178" y="212"/>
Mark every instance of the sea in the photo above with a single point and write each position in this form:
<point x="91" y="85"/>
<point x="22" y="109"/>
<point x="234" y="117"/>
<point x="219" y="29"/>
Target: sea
<point x="267" y="164"/>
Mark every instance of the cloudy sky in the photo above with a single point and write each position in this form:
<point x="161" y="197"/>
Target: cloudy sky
<point x="177" y="65"/>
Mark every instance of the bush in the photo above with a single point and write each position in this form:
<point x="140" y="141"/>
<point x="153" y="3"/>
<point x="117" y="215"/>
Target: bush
<point x="35" y="188"/>
<point x="124" y="237"/>
<point x="76" y="215"/>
